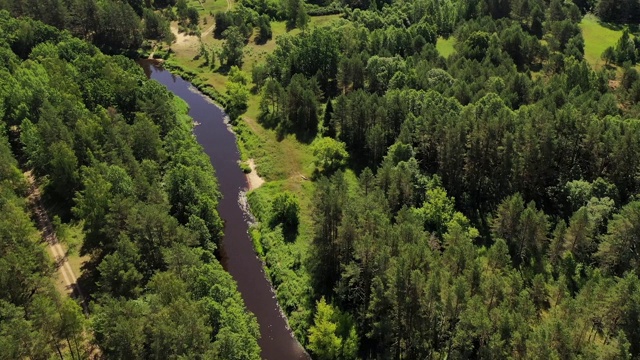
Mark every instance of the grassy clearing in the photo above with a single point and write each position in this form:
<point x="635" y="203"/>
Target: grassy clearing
<point x="324" y="19"/>
<point x="445" y="46"/>
<point x="597" y="37"/>
<point x="208" y="6"/>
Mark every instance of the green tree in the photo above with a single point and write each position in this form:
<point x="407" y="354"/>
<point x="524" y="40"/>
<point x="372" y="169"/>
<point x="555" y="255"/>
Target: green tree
<point x="625" y="49"/>
<point x="323" y="340"/>
<point x="179" y="329"/>
<point x="579" y="236"/>
<point x="24" y="266"/>
<point x="118" y="27"/>
<point x="272" y="103"/>
<point x="118" y="273"/>
<point x="609" y="56"/>
<point x="264" y="29"/>
<point x="156" y="26"/>
<point x="72" y="327"/>
<point x="285" y="211"/>
<point x="120" y="327"/>
<point x="317" y="54"/>
<point x="182" y="9"/>
<point x="329" y="202"/>
<point x="238" y="95"/>
<point x="302" y="106"/>
<point x="617" y="251"/>
<point x="296" y="14"/>
<point x="193" y="16"/>
<point x="146" y="142"/>
<point x="232" y="49"/>
<point x="330" y="155"/>
<point x="437" y="210"/>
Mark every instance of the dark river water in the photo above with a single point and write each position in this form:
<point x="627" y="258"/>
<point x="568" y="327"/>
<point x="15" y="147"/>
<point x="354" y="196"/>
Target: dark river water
<point x="238" y="256"/>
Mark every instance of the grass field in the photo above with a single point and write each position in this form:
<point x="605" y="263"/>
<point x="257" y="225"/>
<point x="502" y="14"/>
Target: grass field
<point x="597" y="38"/>
<point x="445" y="46"/>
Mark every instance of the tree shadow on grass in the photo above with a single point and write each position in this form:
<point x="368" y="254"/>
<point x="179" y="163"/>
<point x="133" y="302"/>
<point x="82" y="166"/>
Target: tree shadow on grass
<point x="260" y="41"/>
<point x="306" y="137"/>
<point x="633" y="28"/>
<point x="88" y="278"/>
<point x="290" y="233"/>
<point x="223" y="69"/>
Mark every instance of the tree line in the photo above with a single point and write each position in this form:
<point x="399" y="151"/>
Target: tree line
<point x="116" y="155"/>
<point x="114" y="26"/>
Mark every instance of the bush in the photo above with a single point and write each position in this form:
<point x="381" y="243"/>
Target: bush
<point x="333" y="9"/>
<point x="285" y="210"/>
<point x="330" y="155"/>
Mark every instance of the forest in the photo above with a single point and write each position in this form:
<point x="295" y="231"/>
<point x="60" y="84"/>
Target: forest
<point x="492" y="211"/>
<point x="114" y="153"/>
<point x="480" y="204"/>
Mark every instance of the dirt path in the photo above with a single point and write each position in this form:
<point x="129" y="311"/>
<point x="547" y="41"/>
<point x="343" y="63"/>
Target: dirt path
<point x="53" y="245"/>
<point x="208" y="31"/>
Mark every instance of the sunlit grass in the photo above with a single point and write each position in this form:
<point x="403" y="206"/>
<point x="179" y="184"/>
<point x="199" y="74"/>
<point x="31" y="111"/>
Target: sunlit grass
<point x="324" y="19"/>
<point x="445" y="46"/>
<point x="596" y="39"/>
<point x="208" y="6"/>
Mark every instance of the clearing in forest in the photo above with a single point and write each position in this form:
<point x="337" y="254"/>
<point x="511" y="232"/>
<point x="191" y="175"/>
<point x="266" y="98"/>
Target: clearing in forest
<point x="597" y="37"/>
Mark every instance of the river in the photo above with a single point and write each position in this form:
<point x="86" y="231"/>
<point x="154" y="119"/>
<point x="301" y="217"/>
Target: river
<point x="238" y="255"/>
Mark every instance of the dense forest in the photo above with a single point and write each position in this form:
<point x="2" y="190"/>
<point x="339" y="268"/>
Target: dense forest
<point x="479" y="205"/>
<point x="493" y="212"/>
<point x="114" y="152"/>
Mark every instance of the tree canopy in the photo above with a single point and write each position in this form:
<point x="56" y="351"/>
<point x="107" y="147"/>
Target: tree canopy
<point x="116" y="155"/>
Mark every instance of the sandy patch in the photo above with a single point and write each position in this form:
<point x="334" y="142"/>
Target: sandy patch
<point x="183" y="41"/>
<point x="253" y="179"/>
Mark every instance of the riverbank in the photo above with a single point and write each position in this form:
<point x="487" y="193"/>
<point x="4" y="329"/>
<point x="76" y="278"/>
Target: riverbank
<point x="236" y="248"/>
<point x="283" y="163"/>
<point x="253" y="179"/>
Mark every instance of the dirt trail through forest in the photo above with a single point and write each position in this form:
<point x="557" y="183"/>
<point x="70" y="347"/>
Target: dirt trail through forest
<point x="49" y="235"/>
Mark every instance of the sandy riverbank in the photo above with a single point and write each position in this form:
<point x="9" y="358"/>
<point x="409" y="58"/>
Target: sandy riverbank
<point x="253" y="179"/>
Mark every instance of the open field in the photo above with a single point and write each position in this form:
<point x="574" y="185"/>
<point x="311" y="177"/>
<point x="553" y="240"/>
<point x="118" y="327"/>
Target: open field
<point x="596" y="39"/>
